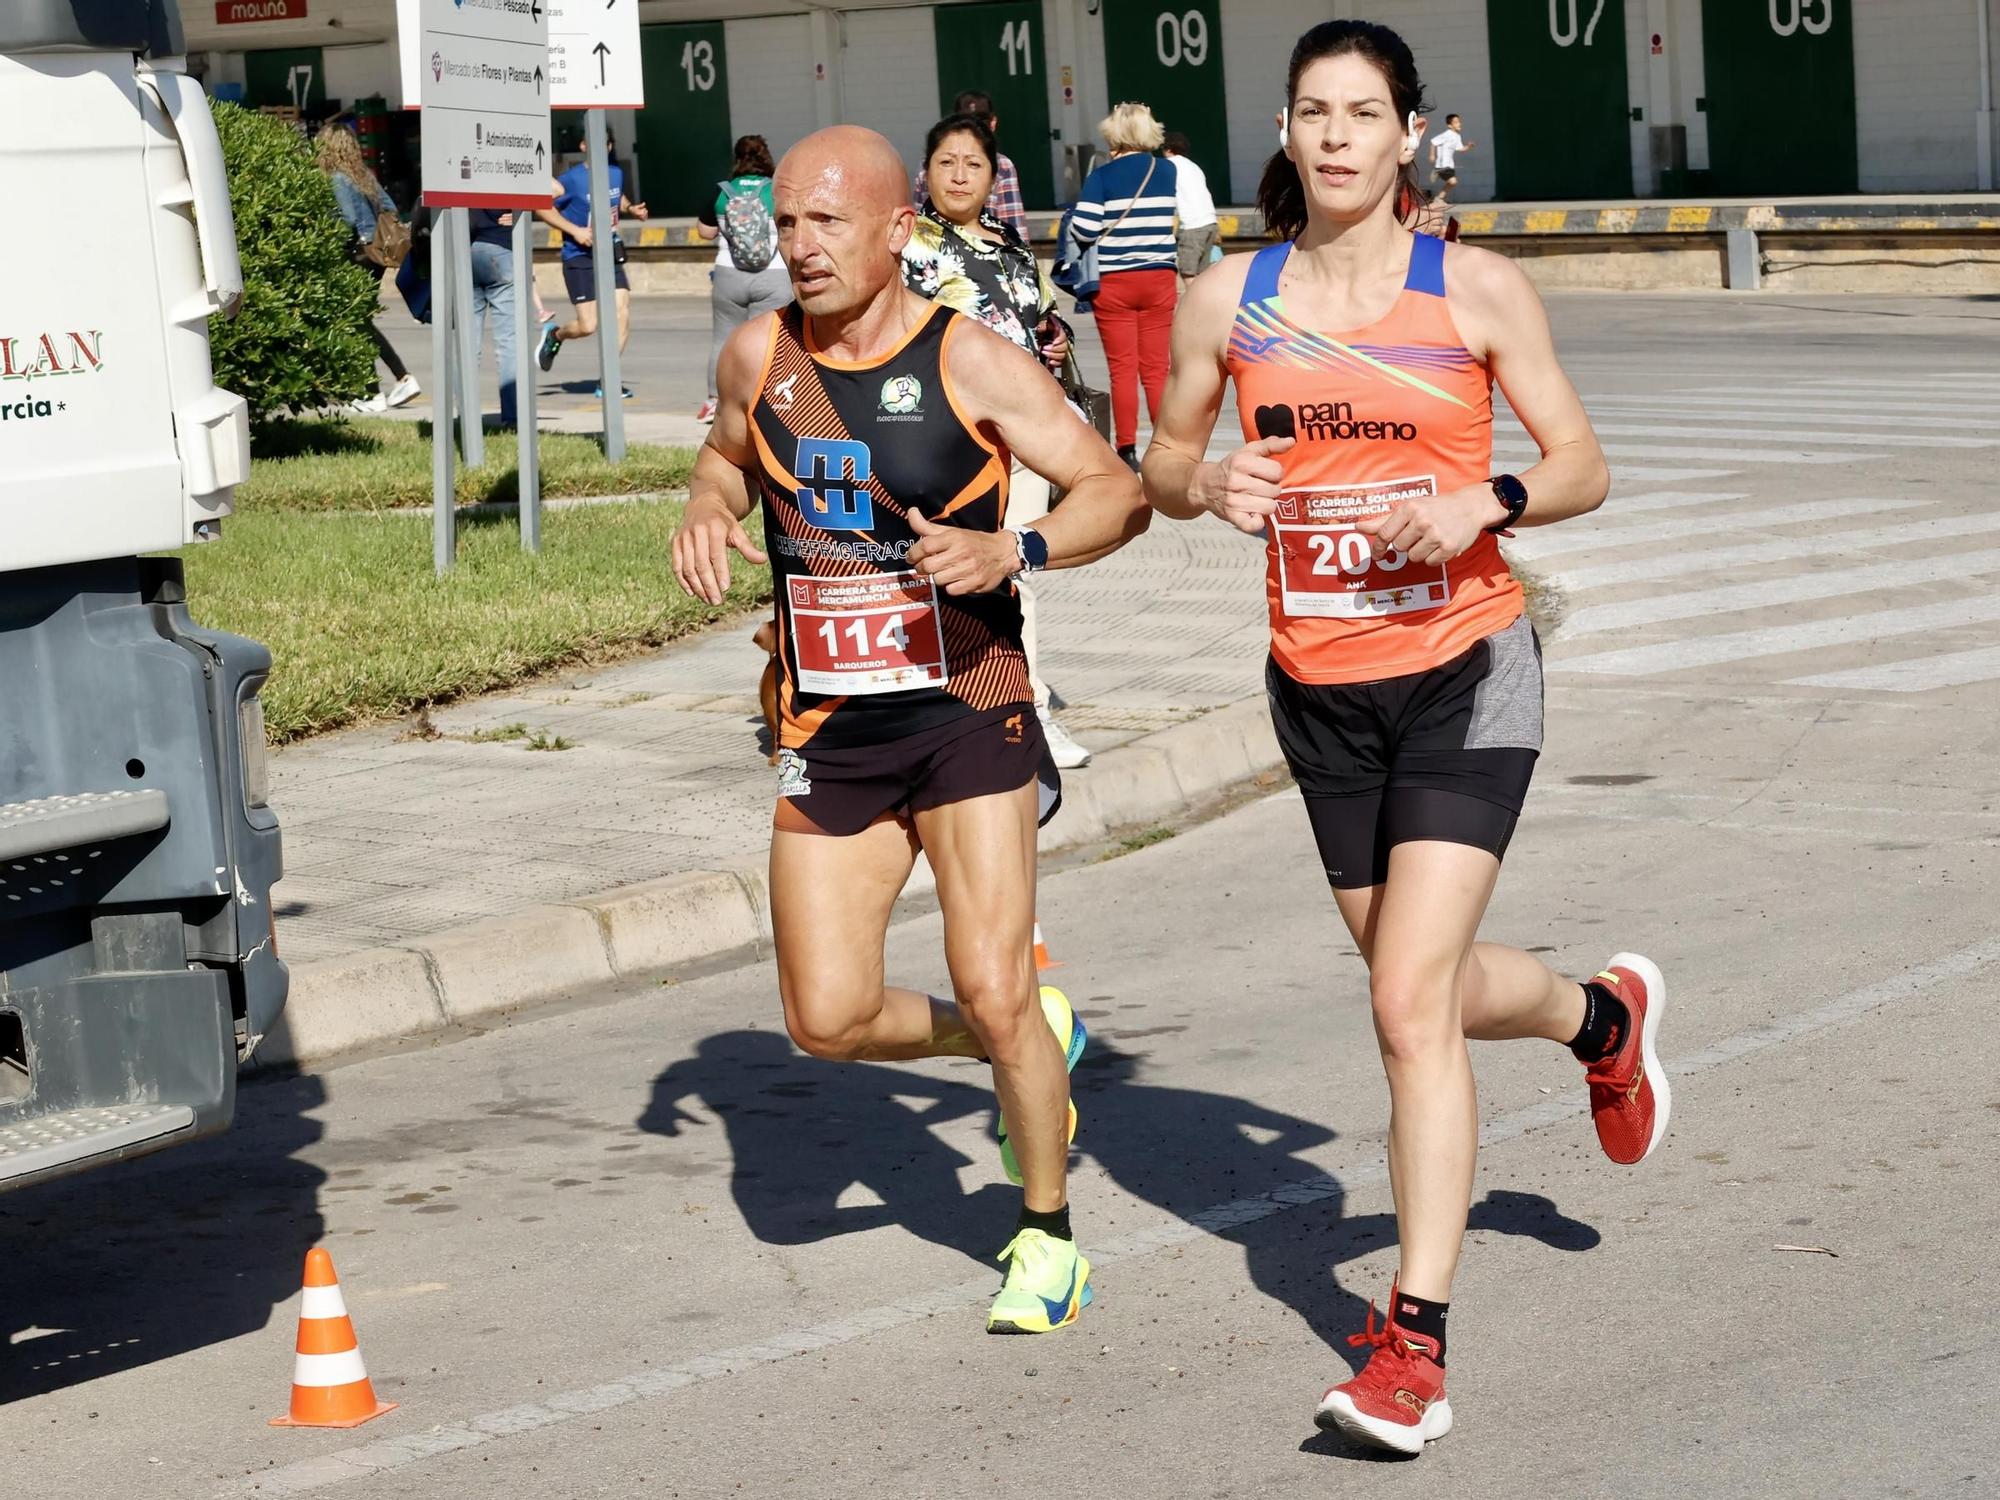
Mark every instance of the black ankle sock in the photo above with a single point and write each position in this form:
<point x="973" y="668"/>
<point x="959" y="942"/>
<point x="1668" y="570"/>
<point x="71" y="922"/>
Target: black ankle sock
<point x="1604" y="1021"/>
<point x="1054" y="1224"/>
<point x="1420" y="1315"/>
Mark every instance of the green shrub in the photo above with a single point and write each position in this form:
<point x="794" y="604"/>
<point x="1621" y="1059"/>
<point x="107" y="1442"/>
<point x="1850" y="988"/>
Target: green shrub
<point x="300" y="339"/>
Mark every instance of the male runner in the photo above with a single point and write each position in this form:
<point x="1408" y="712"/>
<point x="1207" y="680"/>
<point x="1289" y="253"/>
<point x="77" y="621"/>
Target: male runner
<point x="876" y="429"/>
<point x="574" y="217"/>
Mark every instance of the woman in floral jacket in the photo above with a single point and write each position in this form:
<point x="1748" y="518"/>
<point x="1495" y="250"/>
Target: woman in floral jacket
<point x="962" y="256"/>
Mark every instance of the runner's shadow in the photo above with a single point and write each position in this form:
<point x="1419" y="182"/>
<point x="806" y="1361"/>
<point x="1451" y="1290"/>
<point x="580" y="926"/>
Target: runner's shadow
<point x="802" y="1133"/>
<point x="144" y="1261"/>
<point x="1237" y="1169"/>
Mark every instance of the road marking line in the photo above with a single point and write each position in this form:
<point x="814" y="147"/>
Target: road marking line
<point x="1782" y="640"/>
<point x="1547" y="541"/>
<point x="1777" y="434"/>
<point x="1795" y="589"/>
<point x="1667" y="500"/>
<point x="1566" y="1107"/>
<point x="1646" y="474"/>
<point x="1717" y="559"/>
<point x="1951" y="669"/>
<point x="1708" y="452"/>
<point x="1752" y="409"/>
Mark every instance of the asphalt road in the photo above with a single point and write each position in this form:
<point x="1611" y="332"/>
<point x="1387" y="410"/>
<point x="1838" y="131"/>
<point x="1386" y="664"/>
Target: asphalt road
<point x="641" y="1246"/>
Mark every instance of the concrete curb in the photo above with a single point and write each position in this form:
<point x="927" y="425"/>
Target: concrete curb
<point x="530" y="957"/>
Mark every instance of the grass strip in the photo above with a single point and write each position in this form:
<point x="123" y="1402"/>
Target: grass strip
<point x="360" y="628"/>
<point x="377" y="463"/>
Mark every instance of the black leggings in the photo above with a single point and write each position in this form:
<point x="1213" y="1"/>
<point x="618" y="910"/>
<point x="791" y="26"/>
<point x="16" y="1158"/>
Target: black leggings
<point x="386" y="352"/>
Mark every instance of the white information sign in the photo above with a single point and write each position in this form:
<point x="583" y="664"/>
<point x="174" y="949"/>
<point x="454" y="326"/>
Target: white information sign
<point x="484" y="89"/>
<point x="594" y="54"/>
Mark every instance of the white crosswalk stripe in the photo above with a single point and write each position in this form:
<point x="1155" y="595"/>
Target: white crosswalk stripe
<point x="1783" y="549"/>
<point x="1710" y="452"/>
<point x="1771" y="592"/>
<point x="1782" y="640"/>
<point x="1953" y="669"/>
<point x="1553" y="541"/>
<point x="1781" y="434"/>
<point x="1625" y="505"/>
<point x="1750" y="409"/>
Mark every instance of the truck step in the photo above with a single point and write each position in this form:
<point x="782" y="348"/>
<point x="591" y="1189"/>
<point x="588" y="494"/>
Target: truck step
<point x="87" y="819"/>
<point x="47" y="1142"/>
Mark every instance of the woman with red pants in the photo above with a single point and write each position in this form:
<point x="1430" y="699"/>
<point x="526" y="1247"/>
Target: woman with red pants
<point x="1127" y="211"/>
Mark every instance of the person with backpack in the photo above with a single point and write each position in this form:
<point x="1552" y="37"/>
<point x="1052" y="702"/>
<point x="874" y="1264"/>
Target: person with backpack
<point x="380" y="239"/>
<point x="748" y="279"/>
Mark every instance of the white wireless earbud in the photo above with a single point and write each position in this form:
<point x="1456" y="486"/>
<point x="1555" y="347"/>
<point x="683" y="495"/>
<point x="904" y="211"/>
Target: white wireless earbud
<point x="1415" y="137"/>
<point x="1285" y="128"/>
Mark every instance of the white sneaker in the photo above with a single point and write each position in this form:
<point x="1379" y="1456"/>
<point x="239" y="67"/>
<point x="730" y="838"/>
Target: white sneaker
<point x="374" y="403"/>
<point x="404" y="390"/>
<point x="1065" y="751"/>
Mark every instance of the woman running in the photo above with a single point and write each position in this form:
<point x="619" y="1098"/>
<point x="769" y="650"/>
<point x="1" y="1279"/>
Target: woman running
<point x="1405" y="680"/>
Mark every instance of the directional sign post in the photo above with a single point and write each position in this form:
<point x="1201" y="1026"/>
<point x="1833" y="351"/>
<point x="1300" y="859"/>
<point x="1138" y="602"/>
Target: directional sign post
<point x="483" y="88"/>
<point x="594" y="65"/>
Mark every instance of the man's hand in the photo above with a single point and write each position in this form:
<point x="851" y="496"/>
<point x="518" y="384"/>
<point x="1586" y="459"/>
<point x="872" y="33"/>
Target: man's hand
<point x="581" y="234"/>
<point x="1243" y="488"/>
<point x="1436" y="528"/>
<point x="638" y="211"/>
<point x="962" y="561"/>
<point x="702" y="545"/>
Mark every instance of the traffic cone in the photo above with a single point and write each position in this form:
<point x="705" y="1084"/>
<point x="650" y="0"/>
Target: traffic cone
<point x="1043" y="963"/>
<point x="329" y="1383"/>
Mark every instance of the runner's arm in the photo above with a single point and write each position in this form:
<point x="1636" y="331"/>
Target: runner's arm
<point x="1504" y="319"/>
<point x="1180" y="481"/>
<point x="719" y="495"/>
<point x="1005" y="390"/>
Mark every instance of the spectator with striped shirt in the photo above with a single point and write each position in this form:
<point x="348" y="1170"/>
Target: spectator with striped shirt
<point x="1127" y="210"/>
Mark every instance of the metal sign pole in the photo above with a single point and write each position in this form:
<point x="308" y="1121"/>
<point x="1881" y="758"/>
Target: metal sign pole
<point x="444" y="504"/>
<point x="527" y="333"/>
<point x="471" y="432"/>
<point x="603" y="243"/>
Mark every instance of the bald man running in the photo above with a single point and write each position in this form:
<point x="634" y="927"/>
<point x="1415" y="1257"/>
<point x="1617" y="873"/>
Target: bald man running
<point x="876" y="427"/>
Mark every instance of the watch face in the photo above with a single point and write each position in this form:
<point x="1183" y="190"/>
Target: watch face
<point x="1510" y="489"/>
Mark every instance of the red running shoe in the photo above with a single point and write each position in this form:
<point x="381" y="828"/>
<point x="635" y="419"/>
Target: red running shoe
<point x="1630" y="1097"/>
<point x="1397" y="1401"/>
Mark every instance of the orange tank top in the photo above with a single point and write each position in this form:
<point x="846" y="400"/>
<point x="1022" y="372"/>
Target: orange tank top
<point x="1382" y="414"/>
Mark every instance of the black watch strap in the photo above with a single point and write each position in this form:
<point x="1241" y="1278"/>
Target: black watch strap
<point x="1511" y="493"/>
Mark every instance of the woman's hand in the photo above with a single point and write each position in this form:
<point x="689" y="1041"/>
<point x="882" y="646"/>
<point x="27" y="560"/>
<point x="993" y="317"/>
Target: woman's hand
<point x="1055" y="348"/>
<point x="1242" y="488"/>
<point x="1434" y="528"/>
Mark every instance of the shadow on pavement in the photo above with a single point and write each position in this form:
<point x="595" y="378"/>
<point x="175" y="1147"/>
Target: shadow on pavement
<point x="802" y="1132"/>
<point x="141" y="1262"/>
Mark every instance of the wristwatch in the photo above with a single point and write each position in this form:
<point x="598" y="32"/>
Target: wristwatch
<point x="1033" y="548"/>
<point x="1511" y="493"/>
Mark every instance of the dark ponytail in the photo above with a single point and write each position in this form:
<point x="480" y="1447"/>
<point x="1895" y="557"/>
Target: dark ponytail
<point x="1281" y="195"/>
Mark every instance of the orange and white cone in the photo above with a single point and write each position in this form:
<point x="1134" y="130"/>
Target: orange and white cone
<point x="329" y="1383"/>
<point x="1043" y="963"/>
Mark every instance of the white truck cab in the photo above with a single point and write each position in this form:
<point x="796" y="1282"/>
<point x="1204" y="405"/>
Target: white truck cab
<point x="137" y="853"/>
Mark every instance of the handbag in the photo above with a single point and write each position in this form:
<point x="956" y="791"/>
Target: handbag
<point x="391" y="242"/>
<point x="1094" y="404"/>
<point x="1075" y="270"/>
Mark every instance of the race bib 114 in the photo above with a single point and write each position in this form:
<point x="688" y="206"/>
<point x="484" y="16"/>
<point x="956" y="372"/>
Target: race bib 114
<point x="875" y="633"/>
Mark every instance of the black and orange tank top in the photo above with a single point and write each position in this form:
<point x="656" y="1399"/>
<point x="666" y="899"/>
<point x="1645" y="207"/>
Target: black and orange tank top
<point x="1382" y="414"/>
<point x="871" y="649"/>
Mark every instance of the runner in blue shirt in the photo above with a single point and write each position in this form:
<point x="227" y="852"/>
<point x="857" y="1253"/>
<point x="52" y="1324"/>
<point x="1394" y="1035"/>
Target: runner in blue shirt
<point x="571" y="217"/>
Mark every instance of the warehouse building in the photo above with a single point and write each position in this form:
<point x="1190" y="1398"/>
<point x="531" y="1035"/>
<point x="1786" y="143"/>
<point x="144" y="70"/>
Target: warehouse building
<point x="1563" y="99"/>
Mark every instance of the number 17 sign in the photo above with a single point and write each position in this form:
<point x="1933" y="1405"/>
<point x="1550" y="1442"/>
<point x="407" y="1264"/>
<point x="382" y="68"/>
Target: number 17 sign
<point x="594" y="60"/>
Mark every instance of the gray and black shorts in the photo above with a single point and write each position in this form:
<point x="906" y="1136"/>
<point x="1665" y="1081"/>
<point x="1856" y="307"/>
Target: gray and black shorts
<point x="1444" y="754"/>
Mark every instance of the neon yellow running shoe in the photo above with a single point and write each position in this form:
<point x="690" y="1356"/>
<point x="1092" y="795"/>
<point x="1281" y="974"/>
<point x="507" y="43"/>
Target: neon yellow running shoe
<point x="1070" y="1035"/>
<point x="1048" y="1284"/>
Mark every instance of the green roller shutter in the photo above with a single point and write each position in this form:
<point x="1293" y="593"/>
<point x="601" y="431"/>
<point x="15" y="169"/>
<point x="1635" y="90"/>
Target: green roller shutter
<point x="999" y="49"/>
<point x="1780" y="93"/>
<point x="1169" y="56"/>
<point x="683" y="132"/>
<point x="1561" y="113"/>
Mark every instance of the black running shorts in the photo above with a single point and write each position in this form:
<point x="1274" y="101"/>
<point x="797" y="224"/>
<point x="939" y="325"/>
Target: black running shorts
<point x="841" y="791"/>
<point x="580" y="277"/>
<point x="1445" y="754"/>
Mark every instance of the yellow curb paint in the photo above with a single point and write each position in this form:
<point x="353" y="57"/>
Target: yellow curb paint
<point x="1687" y="218"/>
<point x="1478" y="221"/>
<point x="1916" y="223"/>
<point x="1227" y="225"/>
<point x="1545" y="221"/>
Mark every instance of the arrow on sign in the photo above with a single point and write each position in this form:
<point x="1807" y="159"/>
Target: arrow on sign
<point x="538" y="80"/>
<point x="540" y="157"/>
<point x="602" y="52"/>
<point x="534" y="10"/>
